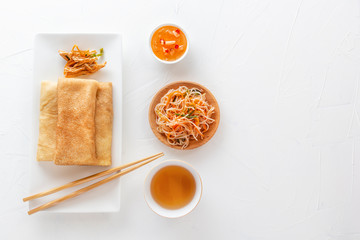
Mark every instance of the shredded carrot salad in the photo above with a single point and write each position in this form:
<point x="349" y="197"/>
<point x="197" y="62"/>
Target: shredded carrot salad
<point x="81" y="62"/>
<point x="183" y="114"/>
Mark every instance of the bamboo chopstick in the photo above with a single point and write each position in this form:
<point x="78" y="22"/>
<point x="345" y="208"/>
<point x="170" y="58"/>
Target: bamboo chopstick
<point x="86" y="179"/>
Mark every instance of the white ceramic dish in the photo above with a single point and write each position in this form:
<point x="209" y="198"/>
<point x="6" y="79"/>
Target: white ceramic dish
<point x="176" y="212"/>
<point x="48" y="65"/>
<point x="187" y="39"/>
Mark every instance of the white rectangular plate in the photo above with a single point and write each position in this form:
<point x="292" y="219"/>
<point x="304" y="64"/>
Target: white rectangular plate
<point x="49" y="66"/>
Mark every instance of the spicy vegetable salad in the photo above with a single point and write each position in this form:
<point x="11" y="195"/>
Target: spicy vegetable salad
<point x="81" y="62"/>
<point x="183" y="114"/>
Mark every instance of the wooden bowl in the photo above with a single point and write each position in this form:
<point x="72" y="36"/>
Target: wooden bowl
<point x="209" y="98"/>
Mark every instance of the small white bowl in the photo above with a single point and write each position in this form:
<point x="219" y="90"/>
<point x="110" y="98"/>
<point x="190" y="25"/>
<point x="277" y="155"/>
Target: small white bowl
<point x="187" y="41"/>
<point x="172" y="213"/>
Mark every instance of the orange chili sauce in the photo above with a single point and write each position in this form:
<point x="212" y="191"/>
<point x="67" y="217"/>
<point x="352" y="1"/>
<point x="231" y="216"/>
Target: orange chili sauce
<point x="168" y="43"/>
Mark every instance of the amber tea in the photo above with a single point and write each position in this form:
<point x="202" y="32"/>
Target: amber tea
<point x="173" y="187"/>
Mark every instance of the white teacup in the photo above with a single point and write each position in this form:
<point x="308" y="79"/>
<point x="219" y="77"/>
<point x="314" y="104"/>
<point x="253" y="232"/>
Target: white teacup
<point x="173" y="213"/>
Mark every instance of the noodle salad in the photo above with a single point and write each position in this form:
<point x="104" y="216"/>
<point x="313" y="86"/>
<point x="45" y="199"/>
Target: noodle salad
<point x="183" y="114"/>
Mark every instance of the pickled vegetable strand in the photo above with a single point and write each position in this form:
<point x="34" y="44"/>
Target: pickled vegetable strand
<point x="81" y="62"/>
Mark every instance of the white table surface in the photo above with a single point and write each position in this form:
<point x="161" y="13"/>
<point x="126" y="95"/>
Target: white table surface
<point x="285" y="162"/>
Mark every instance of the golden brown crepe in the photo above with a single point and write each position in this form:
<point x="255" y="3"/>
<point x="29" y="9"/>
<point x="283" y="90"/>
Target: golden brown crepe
<point x="103" y="123"/>
<point x="75" y="133"/>
<point x="48" y="121"/>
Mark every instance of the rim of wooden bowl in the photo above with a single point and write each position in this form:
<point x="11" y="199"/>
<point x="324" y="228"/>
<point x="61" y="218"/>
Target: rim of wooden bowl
<point x="210" y="98"/>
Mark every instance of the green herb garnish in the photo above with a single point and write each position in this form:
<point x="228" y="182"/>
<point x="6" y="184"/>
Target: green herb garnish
<point x="196" y="92"/>
<point x="100" y="54"/>
<point x="191" y="112"/>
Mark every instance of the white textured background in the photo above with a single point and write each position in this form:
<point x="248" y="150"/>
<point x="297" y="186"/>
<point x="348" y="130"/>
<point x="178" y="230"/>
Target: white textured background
<point x="285" y="162"/>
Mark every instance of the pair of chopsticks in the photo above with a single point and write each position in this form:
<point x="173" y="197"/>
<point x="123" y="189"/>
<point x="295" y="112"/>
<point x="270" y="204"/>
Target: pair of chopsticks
<point x="119" y="172"/>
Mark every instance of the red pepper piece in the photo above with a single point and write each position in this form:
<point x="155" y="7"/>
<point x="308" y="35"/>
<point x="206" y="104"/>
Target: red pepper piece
<point x="176" y="46"/>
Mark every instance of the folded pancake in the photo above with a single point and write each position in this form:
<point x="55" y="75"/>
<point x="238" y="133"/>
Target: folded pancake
<point x="75" y="132"/>
<point x="103" y="123"/>
<point x="48" y="121"/>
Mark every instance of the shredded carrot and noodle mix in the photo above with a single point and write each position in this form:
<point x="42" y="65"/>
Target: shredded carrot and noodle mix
<point x="183" y="114"/>
<point x="81" y="62"/>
